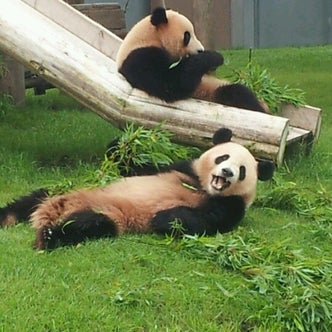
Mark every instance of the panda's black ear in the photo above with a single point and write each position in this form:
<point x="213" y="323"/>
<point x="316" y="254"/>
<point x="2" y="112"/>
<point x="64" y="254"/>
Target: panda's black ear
<point x="265" y="170"/>
<point x="159" y="17"/>
<point x="222" y="135"/>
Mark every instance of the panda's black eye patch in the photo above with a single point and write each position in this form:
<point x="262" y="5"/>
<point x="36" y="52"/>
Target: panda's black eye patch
<point x="186" y="38"/>
<point x="220" y="159"/>
<point x="242" y="175"/>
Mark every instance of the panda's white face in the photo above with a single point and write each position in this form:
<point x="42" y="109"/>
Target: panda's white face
<point x="175" y="34"/>
<point x="228" y="169"/>
<point x="178" y="36"/>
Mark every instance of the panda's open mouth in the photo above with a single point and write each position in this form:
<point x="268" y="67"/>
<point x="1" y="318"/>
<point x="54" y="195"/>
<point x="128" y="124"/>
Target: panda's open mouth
<point x="219" y="183"/>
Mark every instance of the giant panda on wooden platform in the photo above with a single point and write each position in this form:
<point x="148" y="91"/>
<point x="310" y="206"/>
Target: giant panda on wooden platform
<point x="162" y="56"/>
<point x="205" y="195"/>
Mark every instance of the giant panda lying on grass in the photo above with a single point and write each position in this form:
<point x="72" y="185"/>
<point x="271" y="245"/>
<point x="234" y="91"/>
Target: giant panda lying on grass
<point x="205" y="195"/>
<point x="162" y="56"/>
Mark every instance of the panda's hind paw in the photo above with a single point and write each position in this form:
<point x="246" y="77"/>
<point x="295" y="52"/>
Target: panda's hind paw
<point x="47" y="233"/>
<point x="7" y="218"/>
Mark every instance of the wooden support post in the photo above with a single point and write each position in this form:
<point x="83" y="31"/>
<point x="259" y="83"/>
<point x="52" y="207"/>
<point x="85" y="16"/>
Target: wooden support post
<point x="13" y="81"/>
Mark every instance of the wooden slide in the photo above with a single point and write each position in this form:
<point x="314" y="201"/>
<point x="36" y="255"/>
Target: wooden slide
<point x="78" y="55"/>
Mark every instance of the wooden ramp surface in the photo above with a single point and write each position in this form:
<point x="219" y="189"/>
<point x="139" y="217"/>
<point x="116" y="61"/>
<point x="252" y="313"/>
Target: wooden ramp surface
<point x="78" y="55"/>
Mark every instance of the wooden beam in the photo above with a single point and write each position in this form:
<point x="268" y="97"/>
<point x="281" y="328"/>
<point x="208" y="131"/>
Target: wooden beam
<point x="79" y="24"/>
<point x="307" y="118"/>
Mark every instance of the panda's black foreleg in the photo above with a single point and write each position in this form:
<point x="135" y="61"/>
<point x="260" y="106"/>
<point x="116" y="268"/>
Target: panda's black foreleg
<point x="196" y="65"/>
<point x="21" y="209"/>
<point x="177" y="221"/>
<point x="218" y="214"/>
<point x="76" y="228"/>
<point x="183" y="79"/>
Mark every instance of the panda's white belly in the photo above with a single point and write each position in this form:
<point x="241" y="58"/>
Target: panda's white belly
<point x="134" y="201"/>
<point x="155" y="190"/>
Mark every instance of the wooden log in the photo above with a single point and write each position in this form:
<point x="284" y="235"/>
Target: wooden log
<point x="90" y="76"/>
<point x="13" y="81"/>
<point x="109" y="16"/>
<point x="79" y="24"/>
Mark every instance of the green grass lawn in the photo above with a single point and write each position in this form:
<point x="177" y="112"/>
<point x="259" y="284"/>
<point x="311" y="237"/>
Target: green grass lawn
<point x="274" y="273"/>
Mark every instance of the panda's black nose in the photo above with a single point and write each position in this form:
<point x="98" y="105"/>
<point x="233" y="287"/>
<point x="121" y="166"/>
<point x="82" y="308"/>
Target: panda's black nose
<point x="227" y="172"/>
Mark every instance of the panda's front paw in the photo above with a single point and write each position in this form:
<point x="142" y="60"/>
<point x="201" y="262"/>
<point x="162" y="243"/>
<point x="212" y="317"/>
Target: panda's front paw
<point x="46" y="238"/>
<point x="212" y="59"/>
